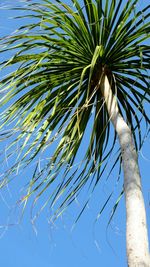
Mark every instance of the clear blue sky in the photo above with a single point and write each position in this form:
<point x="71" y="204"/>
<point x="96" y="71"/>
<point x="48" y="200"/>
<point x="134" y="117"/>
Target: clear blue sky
<point x="48" y="245"/>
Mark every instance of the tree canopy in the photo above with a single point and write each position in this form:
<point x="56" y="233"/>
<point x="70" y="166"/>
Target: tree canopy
<point x="52" y="95"/>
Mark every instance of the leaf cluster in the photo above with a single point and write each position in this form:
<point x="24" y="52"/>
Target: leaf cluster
<point x="52" y="93"/>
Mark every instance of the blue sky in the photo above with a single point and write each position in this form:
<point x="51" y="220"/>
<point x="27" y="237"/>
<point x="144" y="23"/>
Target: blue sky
<point x="45" y="244"/>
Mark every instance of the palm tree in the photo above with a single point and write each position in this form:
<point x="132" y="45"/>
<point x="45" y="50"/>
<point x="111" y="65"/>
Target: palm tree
<point x="80" y="64"/>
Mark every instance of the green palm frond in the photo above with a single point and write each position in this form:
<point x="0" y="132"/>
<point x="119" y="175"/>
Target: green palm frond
<point x="52" y="95"/>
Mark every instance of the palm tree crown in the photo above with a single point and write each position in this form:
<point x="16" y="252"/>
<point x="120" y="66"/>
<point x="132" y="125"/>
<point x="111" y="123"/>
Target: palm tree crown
<point x="54" y="92"/>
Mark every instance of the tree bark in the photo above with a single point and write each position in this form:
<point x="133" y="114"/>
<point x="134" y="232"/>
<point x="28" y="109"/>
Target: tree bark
<point x="136" y="227"/>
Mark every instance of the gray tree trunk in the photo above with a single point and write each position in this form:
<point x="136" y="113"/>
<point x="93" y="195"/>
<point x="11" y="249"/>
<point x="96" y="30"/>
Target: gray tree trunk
<point x="136" y="226"/>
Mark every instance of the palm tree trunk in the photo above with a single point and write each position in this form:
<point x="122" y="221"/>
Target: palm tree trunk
<point x="136" y="227"/>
